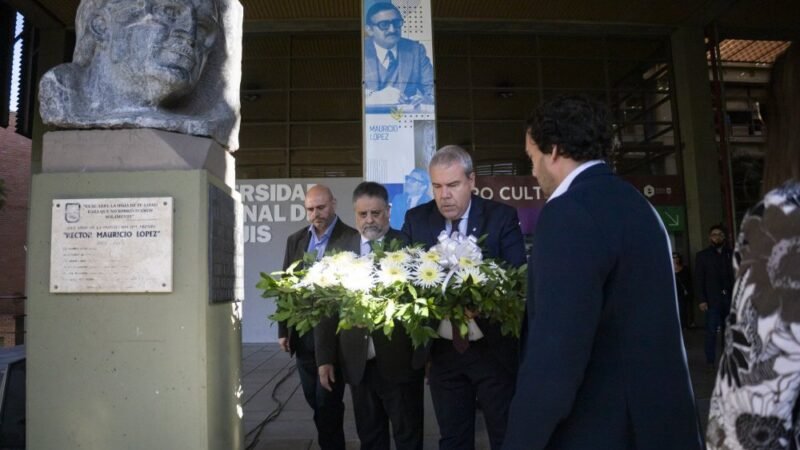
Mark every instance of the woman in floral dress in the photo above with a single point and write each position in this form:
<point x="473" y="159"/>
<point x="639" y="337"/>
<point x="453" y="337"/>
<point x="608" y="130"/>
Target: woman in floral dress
<point x="755" y="402"/>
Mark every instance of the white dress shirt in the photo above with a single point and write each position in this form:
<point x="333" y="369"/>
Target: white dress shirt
<point x="381" y="53"/>
<point x="571" y="176"/>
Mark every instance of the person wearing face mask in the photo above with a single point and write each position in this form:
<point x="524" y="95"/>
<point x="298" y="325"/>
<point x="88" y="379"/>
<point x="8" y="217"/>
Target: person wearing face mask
<point x="713" y="287"/>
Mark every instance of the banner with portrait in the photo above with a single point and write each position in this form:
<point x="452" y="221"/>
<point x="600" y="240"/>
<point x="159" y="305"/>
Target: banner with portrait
<point x="399" y="100"/>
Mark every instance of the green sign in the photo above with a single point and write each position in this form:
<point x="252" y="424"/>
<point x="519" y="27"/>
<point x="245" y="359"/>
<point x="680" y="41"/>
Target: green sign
<point x="674" y="217"/>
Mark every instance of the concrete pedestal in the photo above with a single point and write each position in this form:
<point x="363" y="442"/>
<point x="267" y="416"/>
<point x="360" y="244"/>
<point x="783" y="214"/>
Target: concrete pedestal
<point x="133" y="370"/>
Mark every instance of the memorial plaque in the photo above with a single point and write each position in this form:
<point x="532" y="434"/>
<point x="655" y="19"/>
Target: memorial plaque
<point x="111" y="245"/>
<point x="225" y="257"/>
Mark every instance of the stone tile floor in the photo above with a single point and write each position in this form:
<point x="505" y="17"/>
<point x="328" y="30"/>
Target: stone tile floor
<point x="264" y="366"/>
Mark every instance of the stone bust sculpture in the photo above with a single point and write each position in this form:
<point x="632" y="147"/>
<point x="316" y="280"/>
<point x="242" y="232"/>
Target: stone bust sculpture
<point x="167" y="64"/>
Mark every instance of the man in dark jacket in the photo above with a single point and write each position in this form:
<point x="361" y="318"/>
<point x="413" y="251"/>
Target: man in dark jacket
<point x="385" y="388"/>
<point x="602" y="363"/>
<point x="713" y="285"/>
<point x="481" y="365"/>
<point x="316" y="349"/>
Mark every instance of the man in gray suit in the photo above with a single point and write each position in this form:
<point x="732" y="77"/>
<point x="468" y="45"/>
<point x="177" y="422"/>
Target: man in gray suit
<point x="321" y="379"/>
<point x="385" y="387"/>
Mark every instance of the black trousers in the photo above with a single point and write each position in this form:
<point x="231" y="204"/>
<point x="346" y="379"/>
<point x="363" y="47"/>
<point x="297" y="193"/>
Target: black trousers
<point x="456" y="381"/>
<point x="327" y="405"/>
<point x="377" y="401"/>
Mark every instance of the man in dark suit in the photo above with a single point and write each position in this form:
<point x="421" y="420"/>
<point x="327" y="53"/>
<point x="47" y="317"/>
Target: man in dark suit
<point x="396" y="70"/>
<point x="321" y="379"/>
<point x="602" y="363"/>
<point x="714" y="285"/>
<point x="385" y="387"/>
<point x="482" y="364"/>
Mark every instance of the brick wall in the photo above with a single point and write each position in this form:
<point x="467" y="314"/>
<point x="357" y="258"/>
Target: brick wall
<point x="15" y="169"/>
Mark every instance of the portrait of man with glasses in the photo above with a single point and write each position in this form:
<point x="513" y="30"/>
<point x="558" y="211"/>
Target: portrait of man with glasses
<point x="416" y="191"/>
<point x="397" y="71"/>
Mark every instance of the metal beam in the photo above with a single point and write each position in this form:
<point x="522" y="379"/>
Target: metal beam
<point x="479" y="26"/>
<point x="301" y="26"/>
<point x="466" y="25"/>
<point x="758" y="34"/>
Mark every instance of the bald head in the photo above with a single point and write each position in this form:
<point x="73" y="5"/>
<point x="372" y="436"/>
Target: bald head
<point x="320" y="208"/>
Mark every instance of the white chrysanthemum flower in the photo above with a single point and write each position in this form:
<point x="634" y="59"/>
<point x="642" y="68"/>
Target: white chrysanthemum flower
<point x="429" y="275"/>
<point x="320" y="274"/>
<point x="431" y="256"/>
<point x="313" y="273"/>
<point x="358" y="281"/>
<point x="392" y="273"/>
<point x="358" y="276"/>
<point x="414" y="252"/>
<point x="467" y="262"/>
<point x="396" y="258"/>
<point x="464" y="275"/>
<point x="325" y="260"/>
<point x="364" y="263"/>
<point x="343" y="258"/>
<point x="323" y="273"/>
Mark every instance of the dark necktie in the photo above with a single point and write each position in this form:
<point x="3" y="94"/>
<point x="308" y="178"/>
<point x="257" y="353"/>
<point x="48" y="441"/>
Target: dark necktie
<point x="460" y="343"/>
<point x="391" y="62"/>
<point x="454" y="227"/>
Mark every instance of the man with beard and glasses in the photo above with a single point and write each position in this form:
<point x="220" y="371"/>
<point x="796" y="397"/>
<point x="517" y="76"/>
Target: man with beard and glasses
<point x="396" y="70"/>
<point x="320" y="375"/>
<point x="713" y="287"/>
<point x="385" y="388"/>
<point x="602" y="363"/>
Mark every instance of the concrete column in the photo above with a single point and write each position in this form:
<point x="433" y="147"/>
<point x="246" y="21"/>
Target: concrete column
<point x="701" y="170"/>
<point x="137" y="370"/>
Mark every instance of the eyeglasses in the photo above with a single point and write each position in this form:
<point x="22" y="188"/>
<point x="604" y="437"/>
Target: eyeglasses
<point x="409" y="178"/>
<point x="384" y="25"/>
<point x="718" y="233"/>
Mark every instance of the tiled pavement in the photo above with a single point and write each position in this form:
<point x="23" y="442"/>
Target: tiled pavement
<point x="264" y="366"/>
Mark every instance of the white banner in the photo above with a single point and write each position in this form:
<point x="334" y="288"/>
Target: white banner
<point x="273" y="210"/>
<point x="399" y="100"/>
